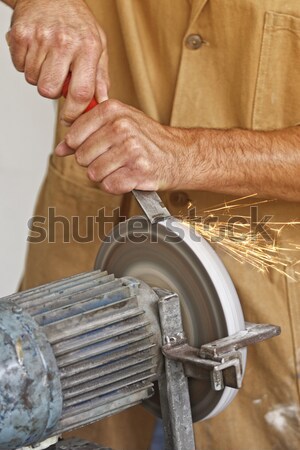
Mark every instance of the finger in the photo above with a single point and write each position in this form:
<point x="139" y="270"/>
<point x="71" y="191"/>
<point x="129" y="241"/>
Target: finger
<point x="97" y="144"/>
<point x="81" y="88"/>
<point x="123" y="180"/>
<point x="94" y="120"/>
<point x="119" y="182"/>
<point x="63" y="149"/>
<point x="35" y="58"/>
<point x="85" y="126"/>
<point x="53" y="73"/>
<point x="18" y="51"/>
<point x="107" y="163"/>
<point x="102" y="78"/>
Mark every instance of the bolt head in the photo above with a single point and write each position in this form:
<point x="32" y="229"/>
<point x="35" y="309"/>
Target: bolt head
<point x="17" y="309"/>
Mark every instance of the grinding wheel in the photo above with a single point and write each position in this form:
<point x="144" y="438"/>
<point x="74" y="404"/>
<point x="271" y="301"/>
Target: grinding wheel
<point x="171" y="255"/>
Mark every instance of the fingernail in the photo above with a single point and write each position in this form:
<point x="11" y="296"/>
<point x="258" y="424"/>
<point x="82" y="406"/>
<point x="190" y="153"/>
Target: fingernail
<point x="102" y="94"/>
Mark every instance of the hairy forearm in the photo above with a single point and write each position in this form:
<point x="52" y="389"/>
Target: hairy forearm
<point x="244" y="162"/>
<point x="124" y="149"/>
<point x="10" y="3"/>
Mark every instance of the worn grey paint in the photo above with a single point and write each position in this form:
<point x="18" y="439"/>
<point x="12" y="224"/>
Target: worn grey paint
<point x="30" y="391"/>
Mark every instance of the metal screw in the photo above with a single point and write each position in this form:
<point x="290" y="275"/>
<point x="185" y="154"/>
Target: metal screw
<point x="17" y="309"/>
<point x="131" y="282"/>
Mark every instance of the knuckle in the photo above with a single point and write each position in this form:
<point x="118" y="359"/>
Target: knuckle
<point x="46" y="89"/>
<point x="142" y="164"/>
<point x="82" y="94"/>
<point x="20" y="33"/>
<point x="111" y="106"/>
<point x="117" y="186"/>
<point x="92" y="42"/>
<point x="30" y="78"/>
<point x="92" y="174"/>
<point x="70" y="143"/>
<point x="19" y="65"/>
<point x="121" y="126"/>
<point x="69" y="118"/>
<point x="42" y="34"/>
<point x="63" y="39"/>
<point x="109" y="187"/>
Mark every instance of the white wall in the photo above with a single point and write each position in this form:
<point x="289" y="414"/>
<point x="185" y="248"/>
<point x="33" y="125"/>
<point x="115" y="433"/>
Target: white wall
<point x="26" y="137"/>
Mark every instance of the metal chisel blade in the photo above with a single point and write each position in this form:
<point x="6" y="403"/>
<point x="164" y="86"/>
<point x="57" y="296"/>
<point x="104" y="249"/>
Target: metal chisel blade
<point x="152" y="205"/>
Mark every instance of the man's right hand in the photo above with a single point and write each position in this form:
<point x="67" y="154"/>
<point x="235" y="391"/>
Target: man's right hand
<point x="48" y="39"/>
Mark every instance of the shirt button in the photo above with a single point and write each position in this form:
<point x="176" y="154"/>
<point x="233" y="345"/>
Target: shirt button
<point x="194" y="41"/>
<point x="179" y="198"/>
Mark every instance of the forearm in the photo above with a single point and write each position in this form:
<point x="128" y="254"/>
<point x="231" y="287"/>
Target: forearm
<point x="244" y="162"/>
<point x="10" y="3"/>
<point x="124" y="149"/>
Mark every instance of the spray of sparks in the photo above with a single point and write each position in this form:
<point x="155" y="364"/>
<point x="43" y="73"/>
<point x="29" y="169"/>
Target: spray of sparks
<point x="241" y="243"/>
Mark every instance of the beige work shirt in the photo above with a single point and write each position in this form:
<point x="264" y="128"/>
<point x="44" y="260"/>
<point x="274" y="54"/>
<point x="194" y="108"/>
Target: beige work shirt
<point x="199" y="63"/>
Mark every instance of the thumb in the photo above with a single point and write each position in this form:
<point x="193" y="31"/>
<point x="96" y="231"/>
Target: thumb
<point x="102" y="78"/>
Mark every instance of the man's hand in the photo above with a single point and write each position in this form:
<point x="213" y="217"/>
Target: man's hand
<point x="48" y="39"/>
<point x="125" y="150"/>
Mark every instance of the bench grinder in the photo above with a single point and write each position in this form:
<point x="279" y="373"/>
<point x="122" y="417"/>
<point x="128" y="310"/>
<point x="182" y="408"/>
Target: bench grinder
<point x="157" y="322"/>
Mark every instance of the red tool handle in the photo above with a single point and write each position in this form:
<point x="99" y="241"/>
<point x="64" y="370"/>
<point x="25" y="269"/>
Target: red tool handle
<point x="65" y="89"/>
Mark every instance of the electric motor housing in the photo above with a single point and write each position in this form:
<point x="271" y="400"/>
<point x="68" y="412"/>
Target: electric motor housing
<point x="73" y="352"/>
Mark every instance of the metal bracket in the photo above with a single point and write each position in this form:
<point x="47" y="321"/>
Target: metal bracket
<point x="252" y="334"/>
<point x="173" y="385"/>
<point x="221" y="357"/>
